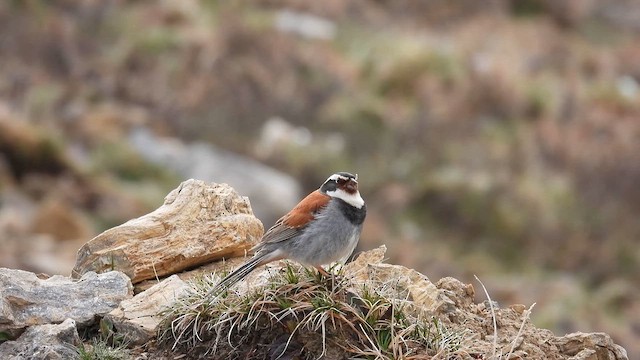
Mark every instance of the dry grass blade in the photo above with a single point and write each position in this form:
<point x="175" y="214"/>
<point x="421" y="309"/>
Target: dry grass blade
<point x="525" y="317"/>
<point x="493" y="317"/>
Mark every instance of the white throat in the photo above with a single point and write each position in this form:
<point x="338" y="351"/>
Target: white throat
<point x="354" y="200"/>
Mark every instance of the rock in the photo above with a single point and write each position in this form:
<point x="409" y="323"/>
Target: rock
<point x="27" y="300"/>
<point x="590" y="346"/>
<point x="459" y="293"/>
<point x="198" y="223"/>
<point x="407" y="283"/>
<point x="272" y="192"/>
<point x="375" y="256"/>
<point x="50" y="341"/>
<point x="138" y="318"/>
<point x="452" y="303"/>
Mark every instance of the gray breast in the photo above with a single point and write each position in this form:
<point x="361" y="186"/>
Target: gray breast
<point x="331" y="237"/>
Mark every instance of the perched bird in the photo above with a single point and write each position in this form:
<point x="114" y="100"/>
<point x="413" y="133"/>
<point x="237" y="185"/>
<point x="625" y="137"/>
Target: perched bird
<point x="324" y="227"/>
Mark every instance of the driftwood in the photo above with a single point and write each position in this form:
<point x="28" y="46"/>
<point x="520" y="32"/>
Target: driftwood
<point x="197" y="224"/>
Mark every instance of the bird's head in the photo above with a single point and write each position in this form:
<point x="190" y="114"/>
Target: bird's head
<point x="343" y="185"/>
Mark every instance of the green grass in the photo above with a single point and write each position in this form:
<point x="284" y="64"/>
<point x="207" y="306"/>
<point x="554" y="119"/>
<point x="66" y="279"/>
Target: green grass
<point x="107" y="346"/>
<point x="100" y="350"/>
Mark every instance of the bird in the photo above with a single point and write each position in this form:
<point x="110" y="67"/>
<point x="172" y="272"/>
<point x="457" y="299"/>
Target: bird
<point x="322" y="228"/>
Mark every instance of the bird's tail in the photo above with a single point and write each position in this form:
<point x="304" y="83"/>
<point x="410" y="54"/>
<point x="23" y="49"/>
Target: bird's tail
<point x="239" y="273"/>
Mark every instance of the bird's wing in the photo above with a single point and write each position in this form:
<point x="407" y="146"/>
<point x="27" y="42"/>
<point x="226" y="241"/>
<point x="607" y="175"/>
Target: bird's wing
<point x="297" y="219"/>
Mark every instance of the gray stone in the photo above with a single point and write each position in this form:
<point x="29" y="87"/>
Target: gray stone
<point x="50" y="342"/>
<point x="27" y="300"/>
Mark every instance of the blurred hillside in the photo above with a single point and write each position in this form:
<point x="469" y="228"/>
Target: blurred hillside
<point x="497" y="138"/>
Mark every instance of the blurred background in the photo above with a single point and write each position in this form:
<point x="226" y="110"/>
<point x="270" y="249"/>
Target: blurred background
<point x="498" y="138"/>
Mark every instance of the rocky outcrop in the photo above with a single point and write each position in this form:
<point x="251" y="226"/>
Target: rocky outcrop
<point x="448" y="302"/>
<point x="50" y="342"/>
<point x="452" y="303"/>
<point x="198" y="223"/>
<point x="26" y="300"/>
<point x="406" y="283"/>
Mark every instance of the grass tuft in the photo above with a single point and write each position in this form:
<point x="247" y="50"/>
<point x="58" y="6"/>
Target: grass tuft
<point x="306" y="315"/>
<point x="100" y="350"/>
<point x="107" y="346"/>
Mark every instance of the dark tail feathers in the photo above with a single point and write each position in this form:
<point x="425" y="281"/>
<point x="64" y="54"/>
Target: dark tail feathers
<point x="236" y="275"/>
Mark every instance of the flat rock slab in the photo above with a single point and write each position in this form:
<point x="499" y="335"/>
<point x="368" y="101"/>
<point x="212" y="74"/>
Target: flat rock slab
<point x="27" y="300"/>
<point x="138" y="318"/>
<point x="198" y="223"/>
<point x="51" y="342"/>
